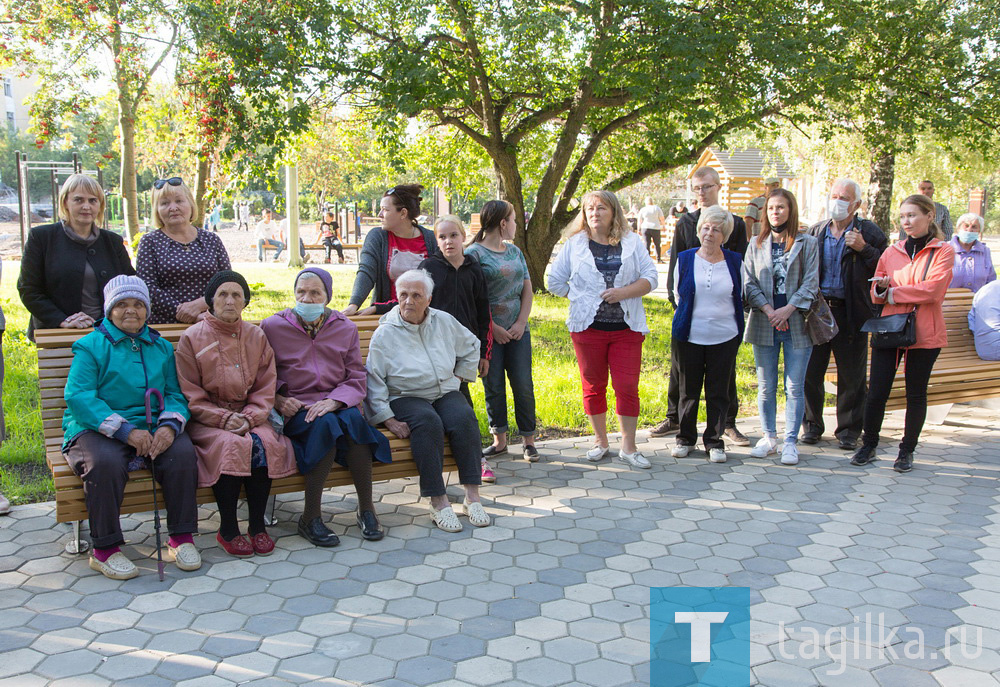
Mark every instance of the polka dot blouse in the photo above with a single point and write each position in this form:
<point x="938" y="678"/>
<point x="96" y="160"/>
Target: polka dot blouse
<point x="178" y="272"/>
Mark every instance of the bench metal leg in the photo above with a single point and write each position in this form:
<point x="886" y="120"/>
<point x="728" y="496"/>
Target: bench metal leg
<point x="269" y="518"/>
<point x="77" y="545"/>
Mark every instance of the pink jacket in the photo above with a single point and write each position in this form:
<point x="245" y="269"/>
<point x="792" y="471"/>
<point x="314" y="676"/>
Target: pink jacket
<point x="907" y="290"/>
<point x="225" y="369"/>
<point x="328" y="366"/>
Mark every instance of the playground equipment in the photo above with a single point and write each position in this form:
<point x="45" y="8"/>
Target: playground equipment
<point x="54" y="168"/>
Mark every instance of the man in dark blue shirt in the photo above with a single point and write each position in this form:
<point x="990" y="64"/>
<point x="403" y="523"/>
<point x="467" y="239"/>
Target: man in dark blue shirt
<point x="849" y="249"/>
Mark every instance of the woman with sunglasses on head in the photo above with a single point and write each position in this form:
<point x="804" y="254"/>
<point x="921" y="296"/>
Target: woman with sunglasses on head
<point x="67" y="264"/>
<point x="399" y="246"/>
<point x="179" y="259"/>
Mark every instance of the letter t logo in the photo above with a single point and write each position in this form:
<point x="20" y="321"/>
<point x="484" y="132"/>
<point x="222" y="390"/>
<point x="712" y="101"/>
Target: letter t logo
<point x="701" y="632"/>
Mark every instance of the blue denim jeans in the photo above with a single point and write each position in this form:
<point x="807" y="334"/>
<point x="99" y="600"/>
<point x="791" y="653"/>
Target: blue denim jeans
<point x="511" y="362"/>
<point x="796" y="363"/>
<point x="269" y="242"/>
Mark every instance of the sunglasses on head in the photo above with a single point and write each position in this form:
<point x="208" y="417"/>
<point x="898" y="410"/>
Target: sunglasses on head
<point x="173" y="181"/>
<point x="390" y="191"/>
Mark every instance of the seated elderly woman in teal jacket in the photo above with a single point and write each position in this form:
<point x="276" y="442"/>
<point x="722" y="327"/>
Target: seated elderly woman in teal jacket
<point x="107" y="436"/>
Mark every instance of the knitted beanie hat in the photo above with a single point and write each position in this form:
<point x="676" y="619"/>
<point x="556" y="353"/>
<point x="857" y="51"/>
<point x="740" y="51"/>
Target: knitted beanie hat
<point x="223" y="277"/>
<point x="125" y="286"/>
<point x="324" y="277"/>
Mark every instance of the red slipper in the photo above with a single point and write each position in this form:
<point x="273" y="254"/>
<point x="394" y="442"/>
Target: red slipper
<point x="238" y="546"/>
<point x="263" y="545"/>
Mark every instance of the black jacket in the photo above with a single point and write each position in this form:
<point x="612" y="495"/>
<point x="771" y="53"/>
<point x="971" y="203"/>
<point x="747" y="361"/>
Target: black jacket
<point x="51" y="280"/>
<point x="857" y="268"/>
<point x="686" y="236"/>
<point x="464" y="295"/>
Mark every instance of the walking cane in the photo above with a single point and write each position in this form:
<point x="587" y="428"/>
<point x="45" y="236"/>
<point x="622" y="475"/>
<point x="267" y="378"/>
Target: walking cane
<point x="156" y="508"/>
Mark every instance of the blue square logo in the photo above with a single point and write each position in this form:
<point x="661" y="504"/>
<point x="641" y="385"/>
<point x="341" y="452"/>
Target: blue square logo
<point x="700" y="637"/>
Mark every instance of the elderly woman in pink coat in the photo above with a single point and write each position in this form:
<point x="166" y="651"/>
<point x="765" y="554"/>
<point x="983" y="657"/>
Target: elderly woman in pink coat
<point x="226" y="370"/>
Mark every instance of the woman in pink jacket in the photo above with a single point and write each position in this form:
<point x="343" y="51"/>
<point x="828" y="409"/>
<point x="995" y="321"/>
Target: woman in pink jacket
<point x="226" y="371"/>
<point x="912" y="274"/>
<point x="321" y="384"/>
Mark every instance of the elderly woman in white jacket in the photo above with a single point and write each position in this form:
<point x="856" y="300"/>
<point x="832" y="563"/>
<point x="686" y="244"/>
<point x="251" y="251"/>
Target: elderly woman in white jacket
<point x="605" y="271"/>
<point x="416" y="360"/>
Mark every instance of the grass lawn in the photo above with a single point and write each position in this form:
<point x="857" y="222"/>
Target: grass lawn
<point x="25" y="478"/>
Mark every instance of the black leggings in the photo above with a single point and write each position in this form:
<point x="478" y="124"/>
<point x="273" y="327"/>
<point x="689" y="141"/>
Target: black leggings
<point x="333" y="243"/>
<point x="227" y="495"/>
<point x="917" y="372"/>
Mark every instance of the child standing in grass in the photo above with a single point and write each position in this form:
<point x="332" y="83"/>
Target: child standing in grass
<point x="510" y="305"/>
<point x="460" y="290"/>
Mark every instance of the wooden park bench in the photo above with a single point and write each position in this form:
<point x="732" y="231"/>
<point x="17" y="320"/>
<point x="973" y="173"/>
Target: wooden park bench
<point x="54" y="357"/>
<point x="356" y="247"/>
<point x="959" y="375"/>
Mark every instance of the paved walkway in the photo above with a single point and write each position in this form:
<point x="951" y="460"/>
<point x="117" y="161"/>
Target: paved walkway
<point x="557" y="592"/>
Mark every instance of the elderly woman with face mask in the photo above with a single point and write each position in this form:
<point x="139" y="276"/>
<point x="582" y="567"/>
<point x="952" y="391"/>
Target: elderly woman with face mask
<point x="321" y="385"/>
<point x="417" y="358"/>
<point x="106" y="434"/>
<point x="226" y="370"/>
<point x="973" y="262"/>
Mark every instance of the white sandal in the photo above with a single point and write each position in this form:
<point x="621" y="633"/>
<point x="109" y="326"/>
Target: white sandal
<point x="476" y="513"/>
<point x="446" y="519"/>
<point x="117" y="567"/>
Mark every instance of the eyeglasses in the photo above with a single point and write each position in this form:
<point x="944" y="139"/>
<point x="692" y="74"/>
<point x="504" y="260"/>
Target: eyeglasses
<point x="701" y="189"/>
<point x="173" y="181"/>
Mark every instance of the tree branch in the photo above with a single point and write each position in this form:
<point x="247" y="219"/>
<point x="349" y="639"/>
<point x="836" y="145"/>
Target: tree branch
<point x="538" y="117"/>
<point x="573" y="181"/>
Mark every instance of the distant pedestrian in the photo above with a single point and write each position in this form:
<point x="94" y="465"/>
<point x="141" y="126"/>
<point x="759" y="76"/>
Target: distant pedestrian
<point x="754" y="214"/>
<point x="651" y="223"/>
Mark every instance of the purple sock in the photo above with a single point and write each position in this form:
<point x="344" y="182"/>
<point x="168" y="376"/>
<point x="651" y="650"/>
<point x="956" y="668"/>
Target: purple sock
<point x="104" y="554"/>
<point x="178" y="539"/>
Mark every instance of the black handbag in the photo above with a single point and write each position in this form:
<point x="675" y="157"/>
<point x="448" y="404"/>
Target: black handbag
<point x="899" y="330"/>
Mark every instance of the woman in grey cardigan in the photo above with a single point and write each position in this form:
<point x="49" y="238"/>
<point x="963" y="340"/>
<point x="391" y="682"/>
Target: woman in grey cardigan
<point x="780" y="282"/>
<point x="400" y="245"/>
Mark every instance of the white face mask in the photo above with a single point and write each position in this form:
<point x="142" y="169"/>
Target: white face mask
<point x="838" y="209"/>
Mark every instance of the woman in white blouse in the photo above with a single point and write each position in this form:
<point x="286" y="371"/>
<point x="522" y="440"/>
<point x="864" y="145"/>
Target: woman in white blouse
<point x="707" y="330"/>
<point x="605" y="271"/>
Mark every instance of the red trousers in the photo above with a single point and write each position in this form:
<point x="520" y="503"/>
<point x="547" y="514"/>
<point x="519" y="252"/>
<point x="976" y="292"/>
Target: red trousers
<point x="599" y="352"/>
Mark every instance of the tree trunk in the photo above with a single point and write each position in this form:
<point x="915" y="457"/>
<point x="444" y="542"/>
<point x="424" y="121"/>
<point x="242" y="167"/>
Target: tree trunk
<point x="126" y="123"/>
<point x="883" y="172"/>
<point x="200" y="184"/>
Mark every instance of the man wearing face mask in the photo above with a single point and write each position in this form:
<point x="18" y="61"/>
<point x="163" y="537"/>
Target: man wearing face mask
<point x="849" y="249"/>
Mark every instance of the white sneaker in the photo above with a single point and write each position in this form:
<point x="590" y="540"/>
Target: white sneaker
<point x="765" y="447"/>
<point x="186" y="556"/>
<point x="636" y="460"/>
<point x="717" y="455"/>
<point x="789" y="454"/>
<point x="680" y="451"/>
<point x="597" y="453"/>
<point x="117" y="567"/>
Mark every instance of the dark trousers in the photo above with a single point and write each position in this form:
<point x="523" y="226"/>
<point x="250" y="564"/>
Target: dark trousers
<point x="850" y="350"/>
<point x="674" y="390"/>
<point x="706" y="366"/>
<point x="101" y="463"/>
<point x="653" y="235"/>
<point x="451" y="416"/>
<point x="227" y="495"/>
<point x="333" y="243"/>
<point x="917" y="370"/>
<point x="511" y="362"/>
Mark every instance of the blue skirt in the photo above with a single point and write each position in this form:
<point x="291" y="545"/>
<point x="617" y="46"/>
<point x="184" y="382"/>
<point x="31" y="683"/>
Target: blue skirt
<point x="312" y="440"/>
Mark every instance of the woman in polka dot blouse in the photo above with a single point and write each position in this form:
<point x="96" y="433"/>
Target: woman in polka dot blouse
<point x="178" y="259"/>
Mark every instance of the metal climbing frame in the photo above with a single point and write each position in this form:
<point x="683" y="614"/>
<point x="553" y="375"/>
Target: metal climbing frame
<point x="55" y="169"/>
